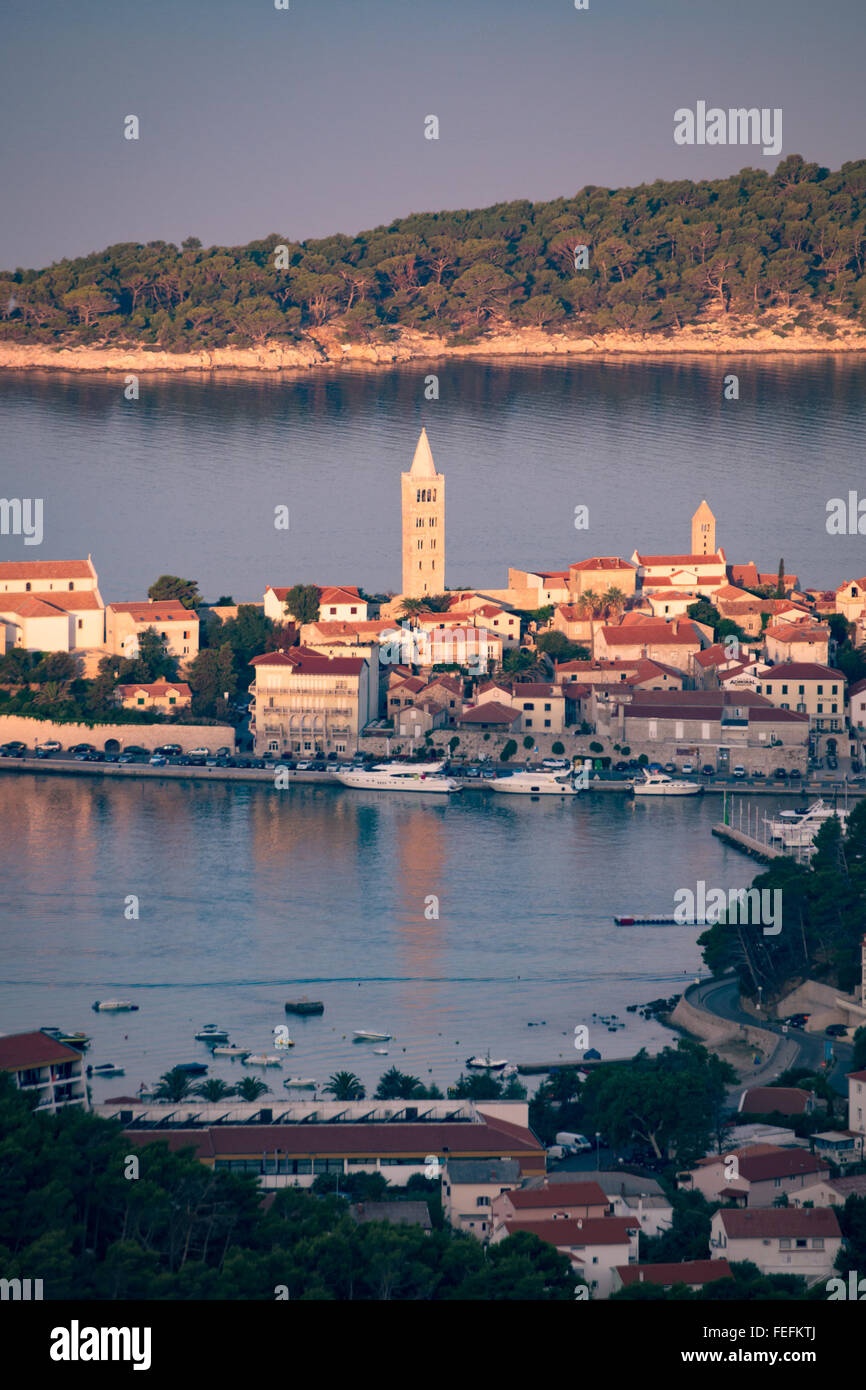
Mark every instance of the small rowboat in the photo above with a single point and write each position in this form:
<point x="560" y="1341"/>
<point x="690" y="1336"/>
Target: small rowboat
<point x="263" y="1059"/>
<point x="230" y="1050"/>
<point x="211" y="1034"/>
<point x="485" y="1064"/>
<point x="365" y="1035"/>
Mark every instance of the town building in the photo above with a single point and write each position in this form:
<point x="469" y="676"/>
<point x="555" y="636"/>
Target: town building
<point x="550" y="1202"/>
<point x="423" y="524"/>
<point x="158" y="695"/>
<point x="46" y="1069"/>
<point x="469" y="1188"/>
<point x="599" y="574"/>
<point x="533" y="589"/>
<point x="125" y="623"/>
<point x="831" y="1192"/>
<point x="779" y="1240"/>
<point x="595" y="1247"/>
<point x="698" y="574"/>
<point x="341" y="603"/>
<point x="719" y="728"/>
<point x="296" y="1141"/>
<point x="812" y="689"/>
<point x="394" y="1213"/>
<point x="755" y="1176"/>
<point x="673" y="643"/>
<point x="800" y="641"/>
<point x="541" y="704"/>
<point x="850" y="599"/>
<point x="51" y="606"/>
<point x="309" y="704"/>
<point x="770" y="1100"/>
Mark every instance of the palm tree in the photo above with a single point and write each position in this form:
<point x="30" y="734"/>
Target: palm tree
<point x="614" y="598"/>
<point x="215" y="1089"/>
<point x="250" y="1088"/>
<point x="398" y="1085"/>
<point x="345" y="1085"/>
<point x="411" y="607"/>
<point x="173" y="1085"/>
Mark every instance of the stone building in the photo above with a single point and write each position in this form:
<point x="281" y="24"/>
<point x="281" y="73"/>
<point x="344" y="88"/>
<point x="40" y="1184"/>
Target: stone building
<point x="423" y="517"/>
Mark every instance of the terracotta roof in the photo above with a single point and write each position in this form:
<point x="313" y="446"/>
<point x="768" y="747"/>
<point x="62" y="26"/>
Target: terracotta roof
<point x="682" y="633"/>
<point x="19" y="1050"/>
<point x="165" y="611"/>
<point x="157" y="689"/>
<point x="413" y="683"/>
<point x="339" y="594"/>
<point x="689" y="1272"/>
<point x="28" y="606"/>
<point x="536" y="689"/>
<point x="762" y="1222"/>
<point x="468" y="1138"/>
<point x="451" y="683"/>
<point x="797" y="632"/>
<point x="490" y="712"/>
<point x="602" y="562"/>
<point x="788" y="1100"/>
<point x="45" y="569"/>
<point x="802" y="670"/>
<point x="690" y="560"/>
<point x="560" y="1195"/>
<point x="597" y="1230"/>
<point x="70" y="599"/>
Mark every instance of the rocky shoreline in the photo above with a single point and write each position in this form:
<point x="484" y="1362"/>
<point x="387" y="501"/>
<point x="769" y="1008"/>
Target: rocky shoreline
<point x="716" y="338"/>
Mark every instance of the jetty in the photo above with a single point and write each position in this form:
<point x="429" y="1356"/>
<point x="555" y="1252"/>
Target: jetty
<point x="749" y="844"/>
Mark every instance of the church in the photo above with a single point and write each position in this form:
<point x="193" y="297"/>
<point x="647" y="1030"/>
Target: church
<point x="423" y="524"/>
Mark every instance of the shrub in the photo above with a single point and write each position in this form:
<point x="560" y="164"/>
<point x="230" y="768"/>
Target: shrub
<point x="509" y="750"/>
<point x="528" y="742"/>
<point x="558" y="748"/>
<point x="595" y="747"/>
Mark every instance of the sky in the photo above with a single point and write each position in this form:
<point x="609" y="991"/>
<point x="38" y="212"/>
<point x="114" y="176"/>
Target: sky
<point x="310" y="120"/>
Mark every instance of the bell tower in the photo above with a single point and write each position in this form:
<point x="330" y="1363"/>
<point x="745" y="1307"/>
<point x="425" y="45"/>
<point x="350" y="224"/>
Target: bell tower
<point x="423" y="516"/>
<point x="703" y="531"/>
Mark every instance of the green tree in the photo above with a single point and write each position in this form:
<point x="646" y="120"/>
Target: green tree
<point x="214" y="1089"/>
<point x="249" y="1088"/>
<point x="173" y="1085"/>
<point x="345" y="1085"/>
<point x="302" y="603"/>
<point x="169" y="586"/>
<point x="398" y="1085"/>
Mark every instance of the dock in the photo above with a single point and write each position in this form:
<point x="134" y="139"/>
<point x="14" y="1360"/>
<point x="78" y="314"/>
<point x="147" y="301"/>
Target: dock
<point x="758" y="849"/>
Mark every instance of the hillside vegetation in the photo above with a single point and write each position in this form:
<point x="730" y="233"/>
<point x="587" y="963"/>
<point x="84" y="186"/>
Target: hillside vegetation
<point x="661" y="256"/>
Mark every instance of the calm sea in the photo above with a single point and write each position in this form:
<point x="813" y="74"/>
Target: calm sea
<point x="248" y="896"/>
<point x="185" y="479"/>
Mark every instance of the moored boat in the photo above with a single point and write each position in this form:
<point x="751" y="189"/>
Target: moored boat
<point x="263" y="1059"/>
<point x="400" y="777"/>
<point x="114" y="1006"/>
<point x="105" y="1069"/>
<point x="660" y="784"/>
<point x="211" y="1034"/>
<point x="485" y="1063"/>
<point x="191" y="1068"/>
<point x="230" y="1050"/>
<point x="78" y="1040"/>
<point x="300" y="1083"/>
<point x="365" y="1035"/>
<point x="541" y="783"/>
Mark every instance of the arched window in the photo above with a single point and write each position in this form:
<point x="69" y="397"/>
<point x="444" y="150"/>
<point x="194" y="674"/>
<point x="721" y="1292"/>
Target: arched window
<point x="418" y="495"/>
<point x="28" y="586"/>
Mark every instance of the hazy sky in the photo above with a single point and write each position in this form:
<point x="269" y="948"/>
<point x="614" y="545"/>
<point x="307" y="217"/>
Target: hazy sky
<point x="311" y="120"/>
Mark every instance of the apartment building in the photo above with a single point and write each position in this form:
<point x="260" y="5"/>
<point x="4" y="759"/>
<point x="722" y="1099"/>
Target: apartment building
<point x="309" y="704"/>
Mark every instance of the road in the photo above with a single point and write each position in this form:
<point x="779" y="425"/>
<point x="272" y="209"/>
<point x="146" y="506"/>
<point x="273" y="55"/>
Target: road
<point x="797" y="1048"/>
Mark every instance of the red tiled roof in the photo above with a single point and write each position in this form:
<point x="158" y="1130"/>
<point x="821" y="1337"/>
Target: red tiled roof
<point x="560" y="1195"/>
<point x="802" y="670"/>
<point x="467" y="1139"/>
<point x="166" y="611"/>
<point x="649" y="633"/>
<point x="45" y="569"/>
<point x="19" y="1050"/>
<point x="490" y="712"/>
<point x="763" y="1222"/>
<point x="597" y="1230"/>
<point x="535" y="689"/>
<point x="788" y="1100"/>
<point x="602" y="562"/>
<point x="157" y="689"/>
<point x="689" y="1272"/>
<point x="70" y="599"/>
<point x="690" y="560"/>
<point x="797" y="632"/>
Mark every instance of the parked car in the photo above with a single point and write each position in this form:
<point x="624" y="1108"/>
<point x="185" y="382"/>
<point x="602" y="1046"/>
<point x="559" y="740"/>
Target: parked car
<point x="196" y="761"/>
<point x="126" y="758"/>
<point x="738" y="771"/>
<point x="576" y="1143"/>
<point x="795" y="772"/>
<point x="168" y="750"/>
<point x="224" y="752"/>
<point x="43" y="752"/>
<point x="50" y="745"/>
<point x="832" y="762"/>
<point x="554" y="764"/>
<point x="688" y="767"/>
<point x="708" y="770"/>
<point x="797" y="1020"/>
<point x="82" y="748"/>
<point x="260" y="762"/>
<point x="471" y="771"/>
<point x="211" y="761"/>
<point x="137" y="751"/>
<point x="836" y="1030"/>
<point x="199" y="752"/>
<point x="670" y="768"/>
<point x="855" y="765"/>
<point x="781" y="774"/>
<point x="158" y="760"/>
<point x="304" y="767"/>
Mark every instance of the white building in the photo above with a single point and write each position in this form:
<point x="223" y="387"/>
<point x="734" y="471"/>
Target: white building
<point x="51" y="605"/>
<point x="779" y="1240"/>
<point x="41" y="1066"/>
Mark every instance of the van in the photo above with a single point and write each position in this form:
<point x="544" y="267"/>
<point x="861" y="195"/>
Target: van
<point x="577" y="1143"/>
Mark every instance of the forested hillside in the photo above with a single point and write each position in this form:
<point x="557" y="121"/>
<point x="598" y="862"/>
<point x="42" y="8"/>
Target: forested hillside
<point x="660" y="257"/>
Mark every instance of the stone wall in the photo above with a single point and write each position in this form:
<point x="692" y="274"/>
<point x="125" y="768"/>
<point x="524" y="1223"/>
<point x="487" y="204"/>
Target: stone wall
<point x="17" y="727"/>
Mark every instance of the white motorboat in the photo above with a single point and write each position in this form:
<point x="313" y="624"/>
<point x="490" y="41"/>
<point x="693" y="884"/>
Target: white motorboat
<point x="399" y="777"/>
<point x="211" y="1034"/>
<point x="115" y="1006"/>
<point x="300" y="1083"/>
<point x="795" y="828"/>
<point x="544" y="782"/>
<point x="485" y="1063"/>
<point x="230" y="1050"/>
<point x="262" y="1059"/>
<point x="660" y="784"/>
<point x="365" y="1035"/>
<point x="380" y="1052"/>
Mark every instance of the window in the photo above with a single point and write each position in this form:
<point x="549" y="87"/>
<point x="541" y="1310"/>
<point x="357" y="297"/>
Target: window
<point x="482" y="1201"/>
<point x="140" y="700"/>
<point x="820" y="690"/>
<point x="784" y="1243"/>
<point x="71" y="585"/>
<point x="529" y="706"/>
<point x="27" y="588"/>
<point x="817" y="1242"/>
<point x="172" y="700"/>
<point x="547" y="723"/>
<point x="784" y="689"/>
<point x="548" y="707"/>
<point x="353" y="610"/>
<point x="802" y="1244"/>
<point x="769" y="689"/>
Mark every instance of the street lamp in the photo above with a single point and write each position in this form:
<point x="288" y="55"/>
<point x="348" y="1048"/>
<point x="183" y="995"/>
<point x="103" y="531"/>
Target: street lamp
<point x="597" y="1153"/>
<point x="760" y="992"/>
